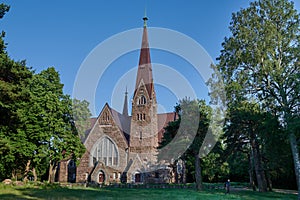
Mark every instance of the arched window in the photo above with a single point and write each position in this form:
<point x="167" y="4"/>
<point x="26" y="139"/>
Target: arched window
<point x="106" y="152"/>
<point x="105" y="117"/>
<point x="141" y="116"/>
<point x="142" y="100"/>
<point x="141" y="135"/>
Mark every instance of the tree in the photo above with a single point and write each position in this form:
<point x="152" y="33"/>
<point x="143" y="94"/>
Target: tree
<point x="260" y="60"/>
<point x="243" y="132"/>
<point x="81" y="114"/>
<point x="189" y="131"/>
<point x="213" y="169"/>
<point x="49" y="123"/>
<point x="14" y="76"/>
<point x="36" y="119"/>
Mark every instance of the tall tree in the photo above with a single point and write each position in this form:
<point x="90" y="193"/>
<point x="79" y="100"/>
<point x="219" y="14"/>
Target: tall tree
<point x="244" y="133"/>
<point x="14" y="76"/>
<point x="36" y="119"/>
<point x="261" y="60"/>
<point x="49" y="123"/>
<point x="189" y="132"/>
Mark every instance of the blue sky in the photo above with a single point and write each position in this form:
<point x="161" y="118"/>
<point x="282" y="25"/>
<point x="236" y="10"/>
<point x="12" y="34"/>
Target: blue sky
<point x="63" y="33"/>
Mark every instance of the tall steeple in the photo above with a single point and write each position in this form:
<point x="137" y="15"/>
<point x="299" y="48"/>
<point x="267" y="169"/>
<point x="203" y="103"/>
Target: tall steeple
<point x="125" y="106"/>
<point x="145" y="69"/>
<point x="143" y="126"/>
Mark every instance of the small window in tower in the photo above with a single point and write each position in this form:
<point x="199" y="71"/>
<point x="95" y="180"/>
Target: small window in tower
<point x="138" y="116"/>
<point x="144" y="116"/>
<point x="141" y="100"/>
<point x="141" y="135"/>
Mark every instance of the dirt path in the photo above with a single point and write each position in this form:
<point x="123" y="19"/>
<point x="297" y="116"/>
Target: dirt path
<point x="284" y="191"/>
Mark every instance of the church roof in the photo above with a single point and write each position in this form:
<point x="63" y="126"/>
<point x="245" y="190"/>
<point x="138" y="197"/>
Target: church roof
<point x="123" y="122"/>
<point x="162" y="121"/>
<point x="91" y="124"/>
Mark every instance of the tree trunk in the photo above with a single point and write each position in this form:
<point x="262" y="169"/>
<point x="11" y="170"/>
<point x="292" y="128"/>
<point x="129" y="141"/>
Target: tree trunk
<point x="52" y="172"/>
<point x="260" y="175"/>
<point x="269" y="181"/>
<point x="183" y="173"/>
<point x="295" y="153"/>
<point x="34" y="174"/>
<point x="176" y="173"/>
<point x="251" y="174"/>
<point x="14" y="175"/>
<point x="27" y="170"/>
<point x="198" y="175"/>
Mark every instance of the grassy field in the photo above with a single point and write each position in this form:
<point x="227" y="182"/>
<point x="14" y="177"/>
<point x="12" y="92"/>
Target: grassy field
<point x="57" y="192"/>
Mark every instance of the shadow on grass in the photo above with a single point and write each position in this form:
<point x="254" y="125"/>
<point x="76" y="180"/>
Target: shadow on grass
<point x="125" y="193"/>
<point x="66" y="193"/>
<point x="249" y="194"/>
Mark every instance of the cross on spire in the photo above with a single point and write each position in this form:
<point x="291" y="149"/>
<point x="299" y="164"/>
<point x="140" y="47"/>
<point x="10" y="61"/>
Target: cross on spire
<point x="145" y="18"/>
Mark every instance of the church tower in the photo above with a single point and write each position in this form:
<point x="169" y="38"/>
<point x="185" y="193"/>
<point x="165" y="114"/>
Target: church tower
<point x="143" y="130"/>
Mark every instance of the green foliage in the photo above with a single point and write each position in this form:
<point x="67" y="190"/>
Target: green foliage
<point x="36" y="119"/>
<point x="14" y="147"/>
<point x="3" y="9"/>
<point x="49" y="122"/>
<point x="213" y="169"/>
<point x="238" y="166"/>
<point x="81" y="115"/>
<point x="260" y="62"/>
<point x="191" y="114"/>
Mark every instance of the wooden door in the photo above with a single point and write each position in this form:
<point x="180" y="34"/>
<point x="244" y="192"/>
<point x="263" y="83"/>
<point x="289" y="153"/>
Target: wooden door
<point x="137" y="178"/>
<point x="101" y="177"/>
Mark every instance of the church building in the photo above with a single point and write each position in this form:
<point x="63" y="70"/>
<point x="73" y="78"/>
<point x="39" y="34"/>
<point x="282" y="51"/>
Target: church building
<point x="123" y="148"/>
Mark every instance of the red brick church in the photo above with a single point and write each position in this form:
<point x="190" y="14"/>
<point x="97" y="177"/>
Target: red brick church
<point x="120" y="147"/>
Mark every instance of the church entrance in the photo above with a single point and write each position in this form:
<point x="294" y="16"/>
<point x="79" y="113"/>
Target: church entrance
<point x="101" y="177"/>
<point x="71" y="171"/>
<point x="137" y="178"/>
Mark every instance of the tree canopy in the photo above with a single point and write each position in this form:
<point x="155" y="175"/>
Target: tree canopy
<point x="259" y="62"/>
<point x="37" y="128"/>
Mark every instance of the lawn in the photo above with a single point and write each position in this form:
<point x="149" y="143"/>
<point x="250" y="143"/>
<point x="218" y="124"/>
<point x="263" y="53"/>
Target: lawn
<point x="57" y="192"/>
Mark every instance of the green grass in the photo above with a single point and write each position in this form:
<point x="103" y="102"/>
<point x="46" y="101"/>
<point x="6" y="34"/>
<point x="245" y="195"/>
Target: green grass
<point x="57" y="192"/>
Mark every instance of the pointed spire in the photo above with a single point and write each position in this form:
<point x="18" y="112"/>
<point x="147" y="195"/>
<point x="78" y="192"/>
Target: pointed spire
<point x="145" y="69"/>
<point x="125" y="106"/>
<point x="145" y="18"/>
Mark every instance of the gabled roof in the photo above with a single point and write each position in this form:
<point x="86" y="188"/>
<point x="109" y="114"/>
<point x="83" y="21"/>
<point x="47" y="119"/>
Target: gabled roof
<point x="162" y="121"/>
<point x="91" y="124"/>
<point x="123" y="122"/>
